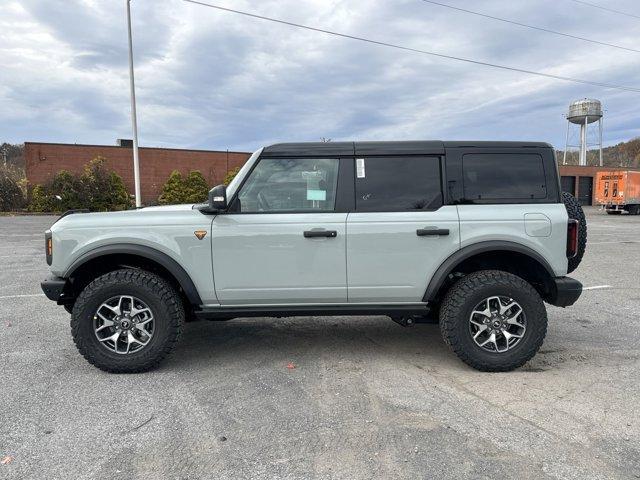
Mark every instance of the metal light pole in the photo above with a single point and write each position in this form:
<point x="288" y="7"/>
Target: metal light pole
<point x="134" y="120"/>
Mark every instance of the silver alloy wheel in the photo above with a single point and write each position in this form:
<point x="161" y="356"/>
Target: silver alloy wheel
<point x="497" y="324"/>
<point x="124" y="324"/>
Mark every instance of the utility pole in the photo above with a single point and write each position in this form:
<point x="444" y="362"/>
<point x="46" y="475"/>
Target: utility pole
<point x="134" y="120"/>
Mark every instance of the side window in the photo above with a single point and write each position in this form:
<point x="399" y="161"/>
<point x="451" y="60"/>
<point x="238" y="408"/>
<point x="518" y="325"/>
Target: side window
<point x="499" y="176"/>
<point x="290" y="184"/>
<point x="398" y="184"/>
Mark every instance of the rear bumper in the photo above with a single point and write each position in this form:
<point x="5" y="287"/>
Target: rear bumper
<point x="53" y="287"/>
<point x="565" y="292"/>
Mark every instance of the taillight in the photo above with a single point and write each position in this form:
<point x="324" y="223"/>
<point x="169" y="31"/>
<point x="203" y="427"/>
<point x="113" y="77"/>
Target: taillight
<point x="572" y="238"/>
<point x="48" y="247"/>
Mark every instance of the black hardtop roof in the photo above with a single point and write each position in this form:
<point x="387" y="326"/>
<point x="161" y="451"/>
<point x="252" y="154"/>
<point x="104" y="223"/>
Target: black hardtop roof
<point x="410" y="147"/>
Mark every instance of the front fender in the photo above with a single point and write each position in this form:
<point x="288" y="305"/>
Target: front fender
<point x="165" y="236"/>
<point x="179" y="273"/>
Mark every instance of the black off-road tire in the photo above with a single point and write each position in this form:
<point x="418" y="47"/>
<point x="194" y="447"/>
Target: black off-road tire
<point x="574" y="210"/>
<point x="157" y="293"/>
<point x="465" y="295"/>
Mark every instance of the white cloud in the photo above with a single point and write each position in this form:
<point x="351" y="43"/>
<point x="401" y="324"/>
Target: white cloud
<point x="210" y="79"/>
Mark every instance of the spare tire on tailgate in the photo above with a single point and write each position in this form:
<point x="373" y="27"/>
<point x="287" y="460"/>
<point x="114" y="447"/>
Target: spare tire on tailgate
<point x="574" y="210"/>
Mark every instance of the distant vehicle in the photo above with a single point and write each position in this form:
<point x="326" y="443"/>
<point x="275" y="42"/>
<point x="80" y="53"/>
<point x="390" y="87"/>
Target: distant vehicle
<point x="619" y="191"/>
<point x="473" y="235"/>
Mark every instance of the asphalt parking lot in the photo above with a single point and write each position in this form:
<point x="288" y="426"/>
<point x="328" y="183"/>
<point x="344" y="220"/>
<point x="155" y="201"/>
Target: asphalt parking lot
<point x="366" y="399"/>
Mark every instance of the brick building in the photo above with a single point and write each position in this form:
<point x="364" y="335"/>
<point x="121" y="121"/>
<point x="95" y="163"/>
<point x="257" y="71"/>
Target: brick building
<point x="44" y="160"/>
<point x="581" y="180"/>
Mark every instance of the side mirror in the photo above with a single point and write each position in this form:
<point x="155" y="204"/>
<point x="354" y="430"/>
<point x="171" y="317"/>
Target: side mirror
<point x="218" y="198"/>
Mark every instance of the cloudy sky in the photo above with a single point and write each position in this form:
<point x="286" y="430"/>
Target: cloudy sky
<point x="216" y="80"/>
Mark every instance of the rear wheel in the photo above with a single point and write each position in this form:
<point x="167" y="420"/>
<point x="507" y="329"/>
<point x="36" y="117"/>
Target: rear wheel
<point x="574" y="210"/>
<point x="493" y="320"/>
<point x="127" y="321"/>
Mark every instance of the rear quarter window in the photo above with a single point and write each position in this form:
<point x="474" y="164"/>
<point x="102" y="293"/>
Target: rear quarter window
<point x="503" y="176"/>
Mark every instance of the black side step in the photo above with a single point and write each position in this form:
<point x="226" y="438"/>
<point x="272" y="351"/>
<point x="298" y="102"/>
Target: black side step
<point x="228" y="312"/>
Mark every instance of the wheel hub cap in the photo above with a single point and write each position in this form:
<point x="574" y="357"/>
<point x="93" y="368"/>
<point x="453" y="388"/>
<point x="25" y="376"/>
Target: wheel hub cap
<point x="124" y="324"/>
<point x="497" y="324"/>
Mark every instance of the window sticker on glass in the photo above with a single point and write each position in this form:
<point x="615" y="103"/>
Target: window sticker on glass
<point x="317" y="195"/>
<point x="360" y="167"/>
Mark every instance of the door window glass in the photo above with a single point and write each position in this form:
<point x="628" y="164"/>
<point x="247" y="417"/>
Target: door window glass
<point x="494" y="176"/>
<point x="398" y="184"/>
<point x="290" y="185"/>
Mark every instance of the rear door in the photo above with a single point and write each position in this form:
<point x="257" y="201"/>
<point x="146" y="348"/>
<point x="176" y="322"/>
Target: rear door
<point x="400" y="231"/>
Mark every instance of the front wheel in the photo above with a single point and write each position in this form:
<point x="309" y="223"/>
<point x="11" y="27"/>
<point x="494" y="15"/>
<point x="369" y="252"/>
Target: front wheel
<point x="127" y="321"/>
<point x="493" y="320"/>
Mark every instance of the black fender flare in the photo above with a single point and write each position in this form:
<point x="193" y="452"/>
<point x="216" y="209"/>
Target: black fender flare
<point x="173" y="267"/>
<point x="440" y="276"/>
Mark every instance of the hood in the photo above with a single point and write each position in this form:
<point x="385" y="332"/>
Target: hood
<point x="165" y="214"/>
<point x="166" y="208"/>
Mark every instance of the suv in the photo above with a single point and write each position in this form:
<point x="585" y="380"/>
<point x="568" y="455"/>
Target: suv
<point x="472" y="235"/>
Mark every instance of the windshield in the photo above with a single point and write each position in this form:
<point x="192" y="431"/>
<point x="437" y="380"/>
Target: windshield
<point x="235" y="183"/>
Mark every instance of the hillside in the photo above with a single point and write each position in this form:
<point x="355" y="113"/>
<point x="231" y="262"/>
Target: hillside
<point x="625" y="154"/>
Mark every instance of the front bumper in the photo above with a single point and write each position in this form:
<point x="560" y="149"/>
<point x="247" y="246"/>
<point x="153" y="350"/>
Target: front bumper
<point x="54" y="288"/>
<point x="564" y="292"/>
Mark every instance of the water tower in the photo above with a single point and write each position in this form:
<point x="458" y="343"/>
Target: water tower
<point x="584" y="112"/>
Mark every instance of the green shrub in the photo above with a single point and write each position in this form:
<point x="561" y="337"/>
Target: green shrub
<point x="178" y="189"/>
<point x="230" y="175"/>
<point x="39" y="200"/>
<point x="11" y="196"/>
<point x="97" y="189"/>
<point x="172" y="189"/>
<point x="196" y="188"/>
<point x="104" y="190"/>
<point x="64" y="192"/>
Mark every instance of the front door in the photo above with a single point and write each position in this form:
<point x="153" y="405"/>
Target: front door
<point x="400" y="231"/>
<point x="282" y="242"/>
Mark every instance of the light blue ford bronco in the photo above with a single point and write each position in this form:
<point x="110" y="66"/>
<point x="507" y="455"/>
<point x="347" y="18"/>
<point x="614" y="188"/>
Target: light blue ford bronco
<point x="475" y="236"/>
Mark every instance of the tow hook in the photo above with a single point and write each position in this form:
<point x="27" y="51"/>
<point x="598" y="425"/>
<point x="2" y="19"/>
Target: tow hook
<point x="404" y="321"/>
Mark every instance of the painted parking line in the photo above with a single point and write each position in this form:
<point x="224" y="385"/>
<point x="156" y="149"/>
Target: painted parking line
<point x="21" y="234"/>
<point x="619" y="241"/>
<point x="22" y="296"/>
<point x="597" y="287"/>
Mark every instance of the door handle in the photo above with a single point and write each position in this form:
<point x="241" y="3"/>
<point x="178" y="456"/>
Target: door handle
<point x="423" y="232"/>
<point x="320" y="233"/>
